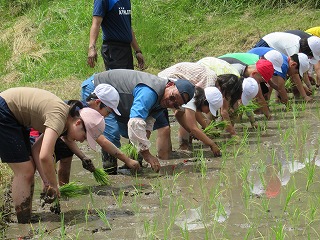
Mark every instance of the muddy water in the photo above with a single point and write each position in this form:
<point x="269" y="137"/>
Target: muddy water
<point x="259" y="188"/>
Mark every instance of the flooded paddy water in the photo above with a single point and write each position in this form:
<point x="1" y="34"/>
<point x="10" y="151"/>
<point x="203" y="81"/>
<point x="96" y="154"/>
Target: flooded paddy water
<point x="265" y="186"/>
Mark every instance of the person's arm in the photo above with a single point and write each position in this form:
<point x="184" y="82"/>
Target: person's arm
<point x="307" y="82"/>
<point x="280" y="82"/>
<point x="263" y="104"/>
<point x="137" y="133"/>
<point x="202" y="120"/>
<point x="225" y="115"/>
<point x="94" y="33"/>
<point x="42" y="153"/>
<point x="110" y="148"/>
<point x="107" y="146"/>
<point x="297" y="81"/>
<point x="188" y="121"/>
<point x="137" y="51"/>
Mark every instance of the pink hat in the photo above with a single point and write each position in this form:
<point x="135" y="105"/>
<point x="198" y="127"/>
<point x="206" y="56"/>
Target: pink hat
<point x="265" y="68"/>
<point x="94" y="124"/>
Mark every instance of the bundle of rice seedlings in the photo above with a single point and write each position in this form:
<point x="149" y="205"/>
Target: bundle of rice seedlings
<point x="288" y="85"/>
<point x="101" y="176"/>
<point x="248" y="108"/>
<point x="214" y="128"/>
<point x="130" y="151"/>
<point x="72" y="189"/>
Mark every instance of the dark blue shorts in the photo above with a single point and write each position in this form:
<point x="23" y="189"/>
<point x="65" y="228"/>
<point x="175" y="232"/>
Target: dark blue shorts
<point x="117" y="55"/>
<point x="15" y="145"/>
<point x="162" y="120"/>
<point x="61" y="150"/>
<point x="261" y="43"/>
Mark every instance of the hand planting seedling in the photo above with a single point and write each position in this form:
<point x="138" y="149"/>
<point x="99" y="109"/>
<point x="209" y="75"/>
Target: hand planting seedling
<point x="130" y="150"/>
<point x="214" y="128"/>
<point x="72" y="189"/>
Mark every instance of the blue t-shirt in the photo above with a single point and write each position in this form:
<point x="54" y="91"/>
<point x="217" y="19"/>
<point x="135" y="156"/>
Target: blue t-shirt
<point x="285" y="65"/>
<point x="144" y="100"/>
<point x="116" y="23"/>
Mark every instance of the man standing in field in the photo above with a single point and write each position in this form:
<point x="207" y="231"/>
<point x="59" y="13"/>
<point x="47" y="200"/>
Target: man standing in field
<point x="114" y="17"/>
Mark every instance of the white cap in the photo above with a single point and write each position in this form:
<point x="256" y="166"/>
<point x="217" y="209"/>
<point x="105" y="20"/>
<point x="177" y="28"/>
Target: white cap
<point x="109" y="96"/>
<point x="249" y="90"/>
<point x="94" y="124"/>
<point x="214" y="98"/>
<point x="314" y="44"/>
<point x="275" y="58"/>
<point x="304" y="63"/>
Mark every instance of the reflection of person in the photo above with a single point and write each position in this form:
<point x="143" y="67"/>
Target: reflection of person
<point x="143" y="97"/>
<point x="21" y="108"/>
<point x="114" y="17"/>
<point x="105" y="100"/>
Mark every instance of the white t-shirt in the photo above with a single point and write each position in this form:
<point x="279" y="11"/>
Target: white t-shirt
<point x="286" y="43"/>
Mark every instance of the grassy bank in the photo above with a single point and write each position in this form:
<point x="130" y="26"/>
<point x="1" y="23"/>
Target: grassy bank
<point x="47" y="46"/>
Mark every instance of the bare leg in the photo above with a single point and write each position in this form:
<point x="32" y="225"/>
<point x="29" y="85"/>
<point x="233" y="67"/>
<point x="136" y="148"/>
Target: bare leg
<point x="164" y="144"/>
<point x="22" y="189"/>
<point x="64" y="170"/>
<point x="183" y="137"/>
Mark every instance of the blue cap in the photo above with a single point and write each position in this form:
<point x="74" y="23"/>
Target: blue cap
<point x="185" y="86"/>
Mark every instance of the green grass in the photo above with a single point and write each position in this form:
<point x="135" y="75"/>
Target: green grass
<point x="167" y="31"/>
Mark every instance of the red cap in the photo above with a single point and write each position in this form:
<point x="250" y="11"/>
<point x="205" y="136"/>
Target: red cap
<point x="265" y="68"/>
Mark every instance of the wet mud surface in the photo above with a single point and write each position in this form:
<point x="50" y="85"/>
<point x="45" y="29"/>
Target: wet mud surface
<point x="264" y="186"/>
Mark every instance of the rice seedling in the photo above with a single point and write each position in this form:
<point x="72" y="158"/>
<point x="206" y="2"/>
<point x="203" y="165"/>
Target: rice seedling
<point x="279" y="231"/>
<point x="62" y="227"/>
<point x="119" y="199"/>
<point x="201" y="162"/>
<point x="103" y="216"/>
<point x="150" y="229"/>
<point x="251" y="107"/>
<point x="215" y="128"/>
<point x="185" y="233"/>
<point x="310" y="167"/>
<point x="72" y="189"/>
<point x="130" y="151"/>
<point x="101" y="176"/>
<point x="291" y="192"/>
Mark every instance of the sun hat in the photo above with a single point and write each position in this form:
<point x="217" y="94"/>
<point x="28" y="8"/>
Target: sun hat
<point x="275" y="58"/>
<point x="185" y="86"/>
<point x="304" y="63"/>
<point x="265" y="68"/>
<point x="109" y="96"/>
<point x="214" y="98"/>
<point x="94" y="124"/>
<point x="314" y="44"/>
<point x="249" y="90"/>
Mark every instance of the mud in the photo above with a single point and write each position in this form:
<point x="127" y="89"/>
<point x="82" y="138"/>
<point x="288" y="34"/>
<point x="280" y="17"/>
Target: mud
<point x="261" y="187"/>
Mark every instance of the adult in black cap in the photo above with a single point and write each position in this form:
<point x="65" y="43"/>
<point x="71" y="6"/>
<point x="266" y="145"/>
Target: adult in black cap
<point x="143" y="98"/>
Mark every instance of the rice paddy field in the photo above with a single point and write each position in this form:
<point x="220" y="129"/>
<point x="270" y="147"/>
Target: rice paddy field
<point x="265" y="186"/>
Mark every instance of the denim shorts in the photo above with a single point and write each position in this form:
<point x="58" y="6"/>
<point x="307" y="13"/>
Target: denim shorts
<point x="15" y="145"/>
